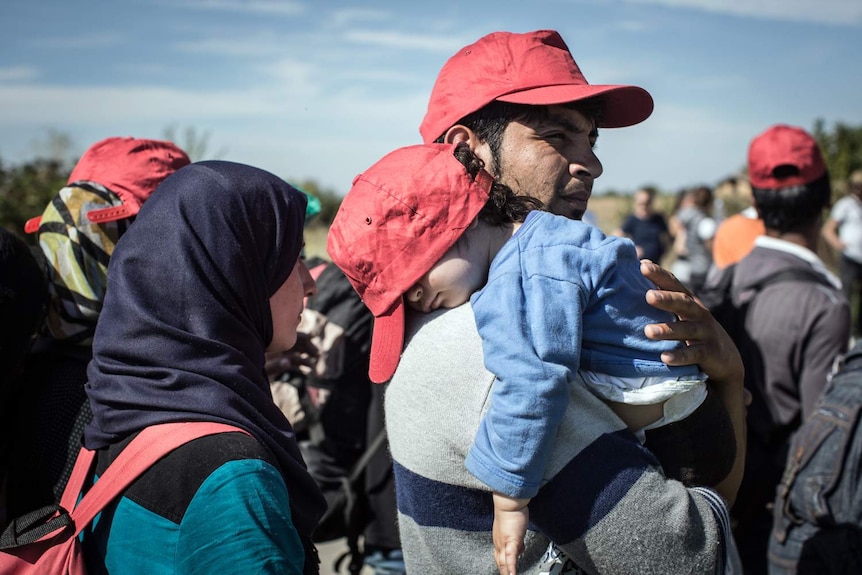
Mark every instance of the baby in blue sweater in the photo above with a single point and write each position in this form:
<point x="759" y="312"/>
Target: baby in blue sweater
<point x="557" y="303"/>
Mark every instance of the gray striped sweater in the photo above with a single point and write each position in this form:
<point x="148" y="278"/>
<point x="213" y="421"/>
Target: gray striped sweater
<point x="604" y="499"/>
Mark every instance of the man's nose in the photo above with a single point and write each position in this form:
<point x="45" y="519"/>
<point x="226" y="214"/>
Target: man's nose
<point x="586" y="166"/>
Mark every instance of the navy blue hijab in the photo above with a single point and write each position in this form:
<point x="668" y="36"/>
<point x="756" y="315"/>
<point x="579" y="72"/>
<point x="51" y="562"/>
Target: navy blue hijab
<point x="186" y="317"/>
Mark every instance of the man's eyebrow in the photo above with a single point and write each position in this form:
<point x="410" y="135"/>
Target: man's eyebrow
<point x="558" y="120"/>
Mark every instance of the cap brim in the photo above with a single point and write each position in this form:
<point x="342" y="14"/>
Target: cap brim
<point x="111" y="214"/>
<point x="32" y="225"/>
<point x="624" y="105"/>
<point x="387" y="340"/>
<point x="99" y="216"/>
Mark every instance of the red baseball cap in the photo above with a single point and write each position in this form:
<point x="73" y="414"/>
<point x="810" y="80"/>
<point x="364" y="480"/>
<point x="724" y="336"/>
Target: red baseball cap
<point x="535" y="68"/>
<point x="132" y="168"/>
<point x="780" y="146"/>
<point x="399" y="218"/>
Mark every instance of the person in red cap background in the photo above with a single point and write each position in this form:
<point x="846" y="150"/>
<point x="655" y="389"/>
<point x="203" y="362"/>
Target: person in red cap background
<point x="793" y="330"/>
<point x="521" y="104"/>
<point x="77" y="234"/>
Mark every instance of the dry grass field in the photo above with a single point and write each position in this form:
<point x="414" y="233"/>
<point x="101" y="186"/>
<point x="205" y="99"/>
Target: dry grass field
<point x="315" y="242"/>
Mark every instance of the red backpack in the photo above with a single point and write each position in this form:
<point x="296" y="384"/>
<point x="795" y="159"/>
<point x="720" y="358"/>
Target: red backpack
<point x="45" y="542"/>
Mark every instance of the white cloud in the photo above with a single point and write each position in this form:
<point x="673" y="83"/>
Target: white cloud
<point x="82" y="41"/>
<point x="446" y="44"/>
<point x="251" y="45"/>
<point x="18" y="74"/>
<point x="632" y="26"/>
<point x="297" y="99"/>
<point x="98" y="104"/>
<point x="841" y="12"/>
<point x="349" y="16"/>
<point x="278" y="7"/>
<point x="294" y="76"/>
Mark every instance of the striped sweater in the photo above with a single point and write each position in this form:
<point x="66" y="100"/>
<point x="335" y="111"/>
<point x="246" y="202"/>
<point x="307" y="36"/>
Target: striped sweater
<point x="604" y="499"/>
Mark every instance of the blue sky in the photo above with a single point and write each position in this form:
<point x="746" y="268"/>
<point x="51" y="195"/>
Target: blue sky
<point x="321" y="89"/>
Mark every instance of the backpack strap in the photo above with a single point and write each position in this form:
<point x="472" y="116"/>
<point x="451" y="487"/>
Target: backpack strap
<point x="149" y="446"/>
<point x="348" y="495"/>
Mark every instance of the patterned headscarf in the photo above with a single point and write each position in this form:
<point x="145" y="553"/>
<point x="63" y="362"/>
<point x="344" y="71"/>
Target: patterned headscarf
<point x="77" y="253"/>
<point x="81" y="225"/>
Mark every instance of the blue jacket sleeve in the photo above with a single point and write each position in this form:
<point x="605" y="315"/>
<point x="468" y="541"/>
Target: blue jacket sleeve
<point x="531" y="333"/>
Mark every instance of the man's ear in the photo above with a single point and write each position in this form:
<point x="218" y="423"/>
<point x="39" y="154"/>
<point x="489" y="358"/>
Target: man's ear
<point x="474" y="223"/>
<point x="460" y="133"/>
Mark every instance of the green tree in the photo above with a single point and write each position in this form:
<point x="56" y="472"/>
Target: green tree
<point x="842" y="150"/>
<point x="329" y="201"/>
<point x="26" y="189"/>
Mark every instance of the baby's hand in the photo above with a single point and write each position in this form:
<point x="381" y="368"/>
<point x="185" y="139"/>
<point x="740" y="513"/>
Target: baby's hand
<point x="511" y="517"/>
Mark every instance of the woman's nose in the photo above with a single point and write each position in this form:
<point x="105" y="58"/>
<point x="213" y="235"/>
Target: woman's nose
<point x="309" y="286"/>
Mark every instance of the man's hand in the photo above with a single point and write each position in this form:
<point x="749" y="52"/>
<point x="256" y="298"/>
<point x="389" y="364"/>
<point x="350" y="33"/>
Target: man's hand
<point x="707" y="345"/>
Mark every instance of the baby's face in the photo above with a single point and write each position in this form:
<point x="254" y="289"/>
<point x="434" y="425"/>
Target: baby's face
<point x="461" y="271"/>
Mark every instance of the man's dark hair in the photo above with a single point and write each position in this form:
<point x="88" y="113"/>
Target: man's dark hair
<point x="794" y="208"/>
<point x="504" y="206"/>
<point x="490" y="121"/>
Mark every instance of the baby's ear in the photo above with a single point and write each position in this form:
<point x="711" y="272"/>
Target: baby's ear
<point x="474" y="223"/>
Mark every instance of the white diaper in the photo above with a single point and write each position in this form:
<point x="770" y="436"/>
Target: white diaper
<point x="681" y="396"/>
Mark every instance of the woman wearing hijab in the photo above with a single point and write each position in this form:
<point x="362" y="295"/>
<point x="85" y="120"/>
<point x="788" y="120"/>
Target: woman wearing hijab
<point x="206" y="281"/>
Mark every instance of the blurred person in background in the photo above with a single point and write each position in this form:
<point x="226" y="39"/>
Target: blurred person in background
<point x="735" y="235"/>
<point x="695" y="229"/>
<point x="323" y="388"/>
<point x="843" y="231"/>
<point x="645" y="227"/>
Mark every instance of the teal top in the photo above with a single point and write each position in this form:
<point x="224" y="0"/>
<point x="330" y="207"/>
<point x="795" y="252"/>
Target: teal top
<point x="238" y="521"/>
